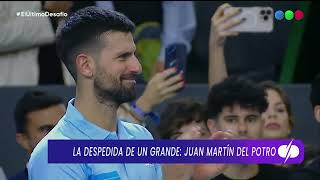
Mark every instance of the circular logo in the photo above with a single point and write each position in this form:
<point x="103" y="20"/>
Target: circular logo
<point x="298" y="15"/>
<point x="278" y="15"/>
<point x="288" y="15"/>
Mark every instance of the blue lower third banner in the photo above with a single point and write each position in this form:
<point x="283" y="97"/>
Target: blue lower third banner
<point x="176" y="151"/>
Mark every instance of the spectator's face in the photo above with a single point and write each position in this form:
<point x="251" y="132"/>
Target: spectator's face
<point x="193" y="130"/>
<point x="117" y="69"/>
<point x="276" y="117"/>
<point x="243" y="123"/>
<point x="39" y="123"/>
<point x="317" y="113"/>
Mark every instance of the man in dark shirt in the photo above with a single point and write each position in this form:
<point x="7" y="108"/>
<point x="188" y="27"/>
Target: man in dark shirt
<point x="36" y="113"/>
<point x="235" y="105"/>
<point x="265" y="172"/>
<point x="312" y="171"/>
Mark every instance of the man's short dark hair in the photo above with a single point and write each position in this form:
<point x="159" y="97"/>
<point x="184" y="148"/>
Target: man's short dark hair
<point x="315" y="91"/>
<point x="236" y="90"/>
<point x="179" y="113"/>
<point x="32" y="101"/>
<point x="82" y="30"/>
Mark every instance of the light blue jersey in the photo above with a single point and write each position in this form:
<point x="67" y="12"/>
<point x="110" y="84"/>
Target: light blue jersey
<point x="74" y="126"/>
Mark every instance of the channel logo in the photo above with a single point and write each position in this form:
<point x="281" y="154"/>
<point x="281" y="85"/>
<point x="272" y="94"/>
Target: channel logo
<point x="289" y="15"/>
<point x="288" y="151"/>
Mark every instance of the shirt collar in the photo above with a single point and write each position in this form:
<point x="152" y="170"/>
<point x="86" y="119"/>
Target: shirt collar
<point x="91" y="130"/>
<point x="123" y="132"/>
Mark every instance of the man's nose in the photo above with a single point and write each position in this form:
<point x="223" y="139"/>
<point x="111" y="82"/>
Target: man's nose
<point x="242" y="128"/>
<point x="134" y="65"/>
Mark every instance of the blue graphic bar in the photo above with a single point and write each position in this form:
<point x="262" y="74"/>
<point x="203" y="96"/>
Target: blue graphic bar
<point x="176" y="151"/>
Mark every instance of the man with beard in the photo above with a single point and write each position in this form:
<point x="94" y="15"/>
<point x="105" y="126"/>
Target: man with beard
<point x="98" y="49"/>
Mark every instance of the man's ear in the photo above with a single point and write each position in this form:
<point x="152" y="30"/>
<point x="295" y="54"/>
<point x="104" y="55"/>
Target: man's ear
<point x="23" y="140"/>
<point x="212" y="125"/>
<point x="316" y="112"/>
<point x="85" y="65"/>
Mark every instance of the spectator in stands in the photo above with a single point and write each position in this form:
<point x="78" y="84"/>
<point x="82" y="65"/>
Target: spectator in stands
<point x="311" y="171"/>
<point x="36" y="113"/>
<point x="236" y="105"/>
<point x="182" y="119"/>
<point x="258" y="56"/>
<point x="185" y="119"/>
<point x="278" y="117"/>
<point x="20" y="39"/>
<point x="315" y="97"/>
<point x="217" y="40"/>
<point x="49" y="64"/>
<point x="311" y="152"/>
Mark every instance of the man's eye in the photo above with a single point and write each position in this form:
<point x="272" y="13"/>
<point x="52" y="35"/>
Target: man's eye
<point x="46" y="129"/>
<point x="252" y="119"/>
<point x="122" y="58"/>
<point x="231" y="120"/>
<point x="125" y="56"/>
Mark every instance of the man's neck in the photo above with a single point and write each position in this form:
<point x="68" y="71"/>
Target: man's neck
<point x="241" y="171"/>
<point x="103" y="115"/>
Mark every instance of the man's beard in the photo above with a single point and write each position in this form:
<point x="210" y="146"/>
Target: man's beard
<point x="109" y="89"/>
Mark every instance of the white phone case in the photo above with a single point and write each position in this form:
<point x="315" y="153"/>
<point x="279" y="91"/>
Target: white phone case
<point x="257" y="19"/>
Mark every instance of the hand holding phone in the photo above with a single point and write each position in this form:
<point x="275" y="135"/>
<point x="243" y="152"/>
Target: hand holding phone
<point x="256" y="19"/>
<point x="176" y="57"/>
<point x="162" y="86"/>
<point x="220" y="23"/>
<point x="228" y="21"/>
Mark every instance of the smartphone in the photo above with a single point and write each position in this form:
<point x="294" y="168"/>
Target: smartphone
<point x="257" y="20"/>
<point x="176" y="57"/>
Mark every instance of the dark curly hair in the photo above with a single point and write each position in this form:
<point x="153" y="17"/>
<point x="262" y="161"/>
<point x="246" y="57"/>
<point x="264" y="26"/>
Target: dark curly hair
<point x="179" y="113"/>
<point x="235" y="90"/>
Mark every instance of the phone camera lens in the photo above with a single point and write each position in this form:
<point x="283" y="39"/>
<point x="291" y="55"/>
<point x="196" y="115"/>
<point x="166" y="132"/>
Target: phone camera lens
<point x="268" y="11"/>
<point x="265" y="18"/>
<point x="262" y="12"/>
